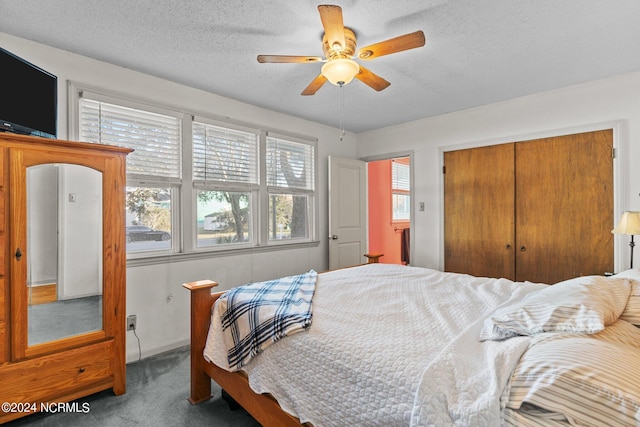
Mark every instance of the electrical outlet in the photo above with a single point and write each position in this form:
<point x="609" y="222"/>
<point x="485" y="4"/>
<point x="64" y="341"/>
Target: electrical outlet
<point x="131" y="322"/>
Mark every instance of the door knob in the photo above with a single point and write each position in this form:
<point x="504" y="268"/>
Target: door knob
<point x="333" y="237"/>
<point x="508" y="246"/>
<point x="18" y="254"/>
<point x="522" y="249"/>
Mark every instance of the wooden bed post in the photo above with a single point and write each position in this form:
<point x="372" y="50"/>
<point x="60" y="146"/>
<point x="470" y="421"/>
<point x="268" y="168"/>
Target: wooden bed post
<point x="263" y="407"/>
<point x="200" y="313"/>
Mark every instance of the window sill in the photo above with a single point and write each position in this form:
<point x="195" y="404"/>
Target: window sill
<point x="189" y="256"/>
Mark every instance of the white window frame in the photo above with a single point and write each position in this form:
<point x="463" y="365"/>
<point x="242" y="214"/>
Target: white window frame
<point x="184" y="190"/>
<point x="252" y="188"/>
<point x="309" y="192"/>
<point x="78" y="91"/>
<point x="396" y="191"/>
<point x="260" y="193"/>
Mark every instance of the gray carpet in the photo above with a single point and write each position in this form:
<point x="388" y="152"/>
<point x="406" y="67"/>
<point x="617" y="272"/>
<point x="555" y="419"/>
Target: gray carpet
<point x="59" y="319"/>
<point x="157" y="391"/>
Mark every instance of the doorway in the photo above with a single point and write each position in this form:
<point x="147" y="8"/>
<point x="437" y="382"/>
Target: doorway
<point x="389" y="209"/>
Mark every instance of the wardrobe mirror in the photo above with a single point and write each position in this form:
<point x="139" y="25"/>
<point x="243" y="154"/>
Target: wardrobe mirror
<point x="64" y="251"/>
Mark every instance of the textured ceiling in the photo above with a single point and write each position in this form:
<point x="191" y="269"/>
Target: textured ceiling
<point x="477" y="52"/>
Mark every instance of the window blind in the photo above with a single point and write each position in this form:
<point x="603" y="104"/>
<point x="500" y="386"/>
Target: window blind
<point x="224" y="155"/>
<point x="400" y="179"/>
<point x="154" y="137"/>
<point x="290" y="164"/>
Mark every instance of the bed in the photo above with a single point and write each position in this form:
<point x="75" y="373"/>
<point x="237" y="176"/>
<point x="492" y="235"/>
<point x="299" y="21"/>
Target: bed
<point x="396" y="345"/>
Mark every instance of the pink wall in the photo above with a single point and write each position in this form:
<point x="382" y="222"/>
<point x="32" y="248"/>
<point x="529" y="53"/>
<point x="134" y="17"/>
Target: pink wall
<point x="383" y="238"/>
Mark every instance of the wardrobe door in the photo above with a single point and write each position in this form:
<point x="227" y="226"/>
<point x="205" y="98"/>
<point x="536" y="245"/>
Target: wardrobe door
<point x="564" y="207"/>
<point x="478" y="206"/>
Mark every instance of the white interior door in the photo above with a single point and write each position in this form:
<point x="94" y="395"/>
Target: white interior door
<point x="347" y="212"/>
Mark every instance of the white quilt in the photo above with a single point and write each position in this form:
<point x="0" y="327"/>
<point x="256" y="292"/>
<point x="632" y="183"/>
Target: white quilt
<point x="391" y="345"/>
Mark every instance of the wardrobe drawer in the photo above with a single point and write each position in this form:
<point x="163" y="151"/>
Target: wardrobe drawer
<point x="46" y="378"/>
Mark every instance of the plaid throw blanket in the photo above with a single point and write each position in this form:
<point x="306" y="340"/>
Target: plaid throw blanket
<point x="257" y="315"/>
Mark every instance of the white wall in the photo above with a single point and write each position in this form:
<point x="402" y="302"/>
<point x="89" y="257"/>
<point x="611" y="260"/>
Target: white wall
<point x="154" y="292"/>
<point x="42" y="217"/>
<point x="613" y="102"/>
<point x="80" y="232"/>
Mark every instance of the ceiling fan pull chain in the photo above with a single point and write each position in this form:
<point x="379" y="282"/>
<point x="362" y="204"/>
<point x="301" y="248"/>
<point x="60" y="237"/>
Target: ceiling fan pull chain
<point x="342" y="112"/>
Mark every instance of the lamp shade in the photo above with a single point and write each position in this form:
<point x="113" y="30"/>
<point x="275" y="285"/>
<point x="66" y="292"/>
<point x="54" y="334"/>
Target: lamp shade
<point x="629" y="224"/>
<point x="340" y="71"/>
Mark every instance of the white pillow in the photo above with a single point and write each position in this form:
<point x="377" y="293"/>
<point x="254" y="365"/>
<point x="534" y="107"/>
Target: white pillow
<point x="583" y="305"/>
<point x="631" y="312"/>
<point x="589" y="379"/>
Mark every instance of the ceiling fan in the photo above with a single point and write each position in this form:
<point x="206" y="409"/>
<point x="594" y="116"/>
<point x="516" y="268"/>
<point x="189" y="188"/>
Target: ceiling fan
<point x="339" y="47"/>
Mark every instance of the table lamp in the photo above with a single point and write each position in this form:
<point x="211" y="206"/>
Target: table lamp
<point x="629" y="224"/>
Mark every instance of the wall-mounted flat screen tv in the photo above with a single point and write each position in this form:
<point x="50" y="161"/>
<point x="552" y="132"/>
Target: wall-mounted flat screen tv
<point x="28" y="97"/>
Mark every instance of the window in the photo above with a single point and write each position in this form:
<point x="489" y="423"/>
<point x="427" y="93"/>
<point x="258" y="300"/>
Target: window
<point x="249" y="189"/>
<point x="234" y="179"/>
<point x="290" y="181"/>
<point x="400" y="190"/>
<point x="225" y="178"/>
<point x="153" y="169"/>
<point x="148" y="218"/>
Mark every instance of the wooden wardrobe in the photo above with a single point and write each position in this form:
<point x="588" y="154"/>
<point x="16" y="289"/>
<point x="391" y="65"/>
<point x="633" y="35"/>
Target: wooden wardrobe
<point x="539" y="210"/>
<point x="62" y="219"/>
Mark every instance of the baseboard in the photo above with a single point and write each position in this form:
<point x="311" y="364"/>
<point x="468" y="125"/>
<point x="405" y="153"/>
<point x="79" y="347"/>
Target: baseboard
<point x="133" y="356"/>
<point x="43" y="294"/>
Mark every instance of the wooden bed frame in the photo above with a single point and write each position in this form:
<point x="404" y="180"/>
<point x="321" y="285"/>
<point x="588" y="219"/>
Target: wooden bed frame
<point x="263" y="407"/>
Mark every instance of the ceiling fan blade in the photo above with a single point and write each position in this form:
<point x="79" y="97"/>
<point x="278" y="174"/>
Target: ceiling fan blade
<point x="331" y="17"/>
<point x="371" y="79"/>
<point x="397" y="44"/>
<point x="314" y="85"/>
<point x="277" y="59"/>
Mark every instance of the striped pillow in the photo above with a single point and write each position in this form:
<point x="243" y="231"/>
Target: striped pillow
<point x="631" y="312"/>
<point x="589" y="379"/>
<point x="583" y="305"/>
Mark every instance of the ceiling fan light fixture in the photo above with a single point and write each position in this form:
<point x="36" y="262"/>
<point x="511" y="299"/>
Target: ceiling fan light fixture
<point x="340" y="71"/>
<point x="339" y="48"/>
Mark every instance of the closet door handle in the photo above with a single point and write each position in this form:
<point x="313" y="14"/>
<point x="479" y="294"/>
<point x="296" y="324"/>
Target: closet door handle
<point x="522" y="249"/>
<point x="508" y="246"/>
<point x="18" y="254"/>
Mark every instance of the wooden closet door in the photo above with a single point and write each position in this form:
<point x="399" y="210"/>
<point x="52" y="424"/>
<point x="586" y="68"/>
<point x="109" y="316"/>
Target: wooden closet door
<point x="564" y="207"/>
<point x="478" y="206"/>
